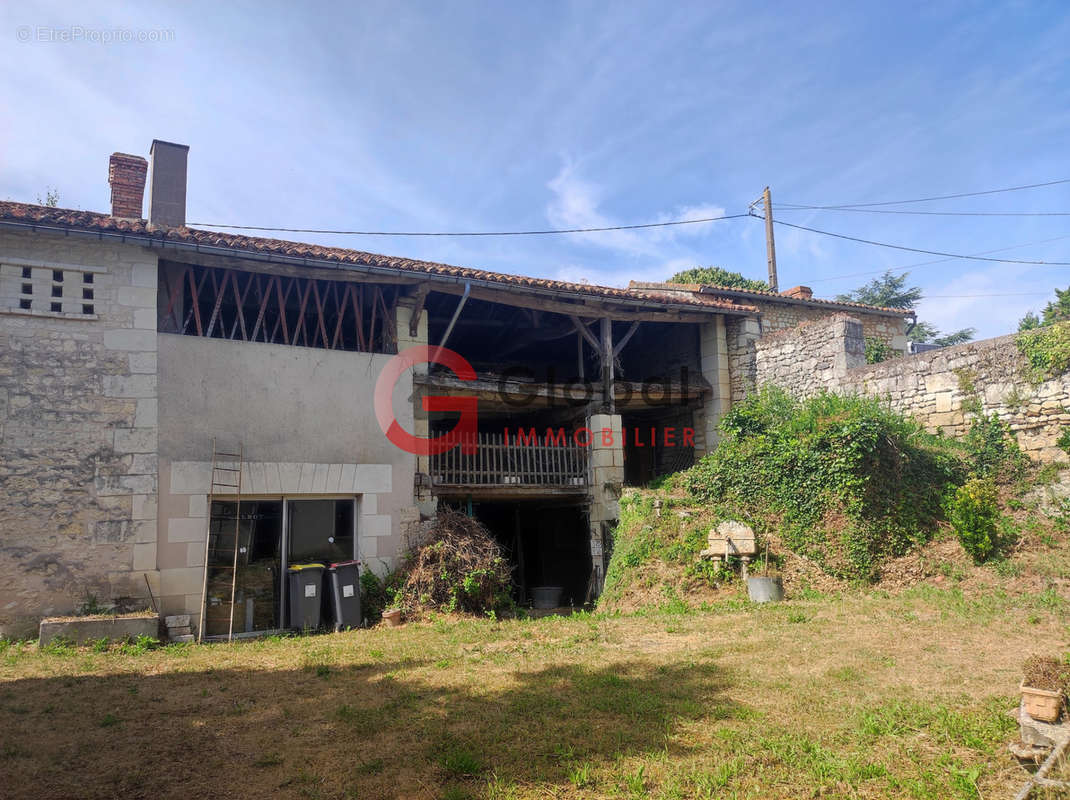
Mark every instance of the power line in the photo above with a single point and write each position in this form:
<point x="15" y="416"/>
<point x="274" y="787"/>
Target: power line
<point x="940" y="197"/>
<point x="905" y="267"/>
<point x="919" y="249"/>
<point x="471" y="233"/>
<point x="784" y="207"/>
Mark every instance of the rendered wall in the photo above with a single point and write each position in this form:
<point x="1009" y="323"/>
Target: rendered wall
<point x="78" y="403"/>
<point x="305" y="419"/>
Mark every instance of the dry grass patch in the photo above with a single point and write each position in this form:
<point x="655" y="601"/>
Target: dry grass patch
<point x="861" y="695"/>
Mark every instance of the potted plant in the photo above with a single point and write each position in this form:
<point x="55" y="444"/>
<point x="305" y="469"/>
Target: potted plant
<point x="392" y="612"/>
<point x="1043" y="685"/>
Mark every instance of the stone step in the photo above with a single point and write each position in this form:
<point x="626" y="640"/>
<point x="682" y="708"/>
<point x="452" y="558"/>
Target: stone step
<point x="186" y="637"/>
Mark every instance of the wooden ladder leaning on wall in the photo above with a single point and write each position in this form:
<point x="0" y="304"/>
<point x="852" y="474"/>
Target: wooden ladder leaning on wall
<point x="226" y="480"/>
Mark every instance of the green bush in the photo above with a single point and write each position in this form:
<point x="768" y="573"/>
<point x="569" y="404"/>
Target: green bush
<point x="1046" y="350"/>
<point x="973" y="512"/>
<point x="877" y="350"/>
<point x="992" y="449"/>
<point x="843" y="480"/>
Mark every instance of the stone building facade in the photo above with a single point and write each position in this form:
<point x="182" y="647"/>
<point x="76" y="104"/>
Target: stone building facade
<point x="130" y="348"/>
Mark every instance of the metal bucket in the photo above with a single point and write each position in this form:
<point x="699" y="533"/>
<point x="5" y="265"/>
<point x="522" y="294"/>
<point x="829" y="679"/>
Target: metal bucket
<point x="765" y="590"/>
<point x="546" y="596"/>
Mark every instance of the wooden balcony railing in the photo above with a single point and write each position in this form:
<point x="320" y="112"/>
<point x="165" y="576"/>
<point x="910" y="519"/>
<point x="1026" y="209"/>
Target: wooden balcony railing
<point x="501" y="462"/>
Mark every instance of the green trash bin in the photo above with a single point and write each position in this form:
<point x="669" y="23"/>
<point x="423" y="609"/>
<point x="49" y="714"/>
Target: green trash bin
<point x="306" y="595"/>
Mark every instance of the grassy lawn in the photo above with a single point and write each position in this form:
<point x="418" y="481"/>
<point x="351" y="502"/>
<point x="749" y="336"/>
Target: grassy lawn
<point x="857" y="695"/>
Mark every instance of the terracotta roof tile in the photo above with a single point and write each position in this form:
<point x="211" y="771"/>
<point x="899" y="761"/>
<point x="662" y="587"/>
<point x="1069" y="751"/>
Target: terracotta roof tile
<point x="92" y="221"/>
<point x="727" y="292"/>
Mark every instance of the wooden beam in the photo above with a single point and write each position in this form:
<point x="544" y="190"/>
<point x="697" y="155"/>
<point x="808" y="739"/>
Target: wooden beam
<point x="624" y="339"/>
<point x="583" y="330"/>
<point x="418" y="309"/>
<point x="607" y="364"/>
<point x="594" y="309"/>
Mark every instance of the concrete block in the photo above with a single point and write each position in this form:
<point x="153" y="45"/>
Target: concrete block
<point x="375" y="525"/>
<point x="130" y="340"/>
<point x="143" y="363"/>
<point x="347" y="479"/>
<point x="182" y="580"/>
<point x="368" y="548"/>
<point x="369" y="504"/>
<point x="145" y="556"/>
<point x="138" y="296"/>
<point x="144" y="274"/>
<point x="88" y="629"/>
<point x="145" y="319"/>
<point x="143" y="507"/>
<point x="195" y="554"/>
<point x="147" y="414"/>
<point x="144" y="532"/>
<point x="334" y="474"/>
<point x="135" y="386"/>
<point x="319" y="478"/>
<point x="181" y="529"/>
<point x="308" y="474"/>
<point x="144" y="464"/>
<point x="190" y="477"/>
<point x="375" y="478"/>
<point x="186" y="637"/>
<point x="198" y="506"/>
<point x="134" y="440"/>
<point x="177" y="621"/>
<point x="289" y="478"/>
<point x="272" y="483"/>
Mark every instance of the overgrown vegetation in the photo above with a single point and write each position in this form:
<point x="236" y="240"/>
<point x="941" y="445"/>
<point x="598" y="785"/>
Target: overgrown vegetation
<point x="715" y="276"/>
<point x="847" y="481"/>
<point x="877" y="350"/>
<point x="1046" y="350"/>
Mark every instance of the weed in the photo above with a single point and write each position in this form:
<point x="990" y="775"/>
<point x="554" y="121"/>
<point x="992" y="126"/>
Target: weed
<point x="268" y="760"/>
<point x="108" y="720"/>
<point x="580" y="775"/>
<point x="457" y="760"/>
<point x="373" y="767"/>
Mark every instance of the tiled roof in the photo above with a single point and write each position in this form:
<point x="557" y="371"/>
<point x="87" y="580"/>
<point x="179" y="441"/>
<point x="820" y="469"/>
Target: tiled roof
<point x="26" y="213"/>
<point x="755" y="294"/>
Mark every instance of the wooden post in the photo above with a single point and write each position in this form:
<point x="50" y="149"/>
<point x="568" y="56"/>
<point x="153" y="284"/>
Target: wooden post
<point x="579" y="356"/>
<point x="607" y="365"/>
<point x="770" y="247"/>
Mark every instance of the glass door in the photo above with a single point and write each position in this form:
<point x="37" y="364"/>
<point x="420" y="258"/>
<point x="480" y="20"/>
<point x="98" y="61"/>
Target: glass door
<point x="257" y="589"/>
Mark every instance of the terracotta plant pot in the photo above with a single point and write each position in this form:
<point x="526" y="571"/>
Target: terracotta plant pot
<point x="1042" y="704"/>
<point x="392" y="617"/>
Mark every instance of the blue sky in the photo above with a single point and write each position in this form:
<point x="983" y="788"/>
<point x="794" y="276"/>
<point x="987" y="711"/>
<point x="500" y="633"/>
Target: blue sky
<point x="492" y="116"/>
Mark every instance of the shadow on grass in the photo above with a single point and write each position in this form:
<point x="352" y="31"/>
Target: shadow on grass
<point x="380" y="730"/>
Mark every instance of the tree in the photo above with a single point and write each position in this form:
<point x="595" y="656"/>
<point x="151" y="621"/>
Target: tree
<point x="891" y="291"/>
<point x="1055" y="311"/>
<point x="887" y="291"/>
<point x="1028" y="322"/>
<point x="715" y="276"/>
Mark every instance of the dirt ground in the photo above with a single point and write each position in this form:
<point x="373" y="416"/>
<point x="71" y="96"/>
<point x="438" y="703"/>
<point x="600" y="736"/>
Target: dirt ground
<point x="857" y="694"/>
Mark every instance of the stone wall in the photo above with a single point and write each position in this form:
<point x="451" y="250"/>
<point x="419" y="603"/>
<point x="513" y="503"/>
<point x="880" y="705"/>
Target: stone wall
<point x="78" y="405"/>
<point x="942" y="388"/>
<point x="777" y="316"/>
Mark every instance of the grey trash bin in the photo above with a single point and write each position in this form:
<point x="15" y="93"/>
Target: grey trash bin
<point x="343" y="583"/>
<point x="306" y="595"/>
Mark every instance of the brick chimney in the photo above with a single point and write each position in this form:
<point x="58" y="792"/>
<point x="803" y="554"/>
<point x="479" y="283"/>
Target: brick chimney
<point x="167" y="184"/>
<point x="799" y="293"/>
<point x="126" y="176"/>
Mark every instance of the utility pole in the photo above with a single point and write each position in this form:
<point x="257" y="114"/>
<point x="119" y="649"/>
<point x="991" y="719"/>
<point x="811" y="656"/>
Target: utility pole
<point x="770" y="247"/>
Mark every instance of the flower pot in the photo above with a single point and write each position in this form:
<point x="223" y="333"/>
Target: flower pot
<point x="765" y="589"/>
<point x="1041" y="704"/>
<point x="392" y="617"/>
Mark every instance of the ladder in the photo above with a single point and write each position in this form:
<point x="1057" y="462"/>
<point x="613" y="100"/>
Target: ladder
<point x="225" y="481"/>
